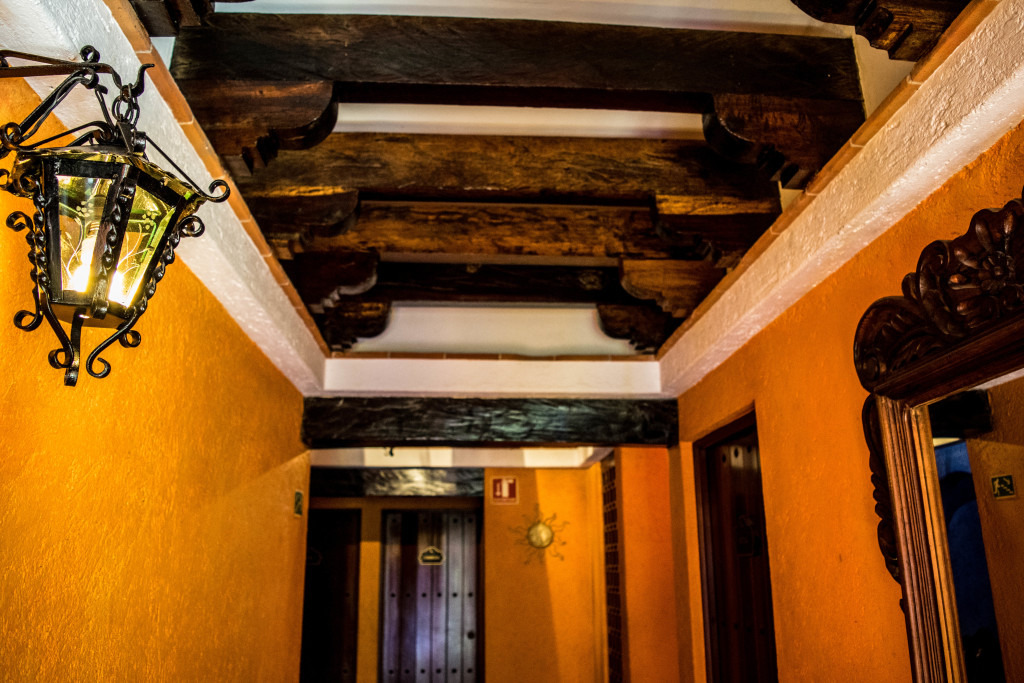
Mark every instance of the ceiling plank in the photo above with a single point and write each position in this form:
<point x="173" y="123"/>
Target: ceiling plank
<point x="236" y="62"/>
<point x="397" y="421"/>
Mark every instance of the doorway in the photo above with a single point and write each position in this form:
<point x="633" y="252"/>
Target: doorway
<point x="330" y="614"/>
<point x="738" y="626"/>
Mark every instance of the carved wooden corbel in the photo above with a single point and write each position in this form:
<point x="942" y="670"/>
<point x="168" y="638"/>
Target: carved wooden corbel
<point x="676" y="286"/>
<point x="906" y="29"/>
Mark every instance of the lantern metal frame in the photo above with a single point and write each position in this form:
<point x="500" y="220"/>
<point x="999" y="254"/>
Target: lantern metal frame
<point x="113" y="150"/>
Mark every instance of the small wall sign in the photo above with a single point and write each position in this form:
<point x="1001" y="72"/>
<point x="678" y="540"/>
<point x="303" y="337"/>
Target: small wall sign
<point x="432" y="556"/>
<point x="505" y="490"/>
<point x="1002" y="486"/>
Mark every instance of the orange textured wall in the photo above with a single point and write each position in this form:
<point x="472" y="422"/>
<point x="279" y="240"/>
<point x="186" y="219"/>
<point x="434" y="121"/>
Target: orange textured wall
<point x="836" y="609"/>
<point x="147" y="524"/>
<point x="544" y="616"/>
<point x="645" y="542"/>
<point x="998" y="453"/>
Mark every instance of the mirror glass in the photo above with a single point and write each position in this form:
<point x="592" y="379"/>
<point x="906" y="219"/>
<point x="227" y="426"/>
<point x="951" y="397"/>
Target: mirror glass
<point x="979" y="463"/>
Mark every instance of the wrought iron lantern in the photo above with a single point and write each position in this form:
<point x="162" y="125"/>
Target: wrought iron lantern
<point x="106" y="219"/>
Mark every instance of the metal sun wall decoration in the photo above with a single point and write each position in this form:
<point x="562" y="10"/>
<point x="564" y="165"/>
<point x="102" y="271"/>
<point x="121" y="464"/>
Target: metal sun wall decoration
<point x="539" y="535"/>
<point x="106" y="219"/>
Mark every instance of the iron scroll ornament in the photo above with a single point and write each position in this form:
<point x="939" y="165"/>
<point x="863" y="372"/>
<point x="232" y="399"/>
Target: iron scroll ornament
<point x="113" y="142"/>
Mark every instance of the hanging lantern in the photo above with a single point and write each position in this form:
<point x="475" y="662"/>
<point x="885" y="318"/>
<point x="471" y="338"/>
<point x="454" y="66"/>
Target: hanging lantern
<point x="106" y="218"/>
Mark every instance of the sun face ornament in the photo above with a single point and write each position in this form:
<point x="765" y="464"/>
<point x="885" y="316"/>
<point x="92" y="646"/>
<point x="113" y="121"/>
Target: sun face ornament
<point x="540" y="536"/>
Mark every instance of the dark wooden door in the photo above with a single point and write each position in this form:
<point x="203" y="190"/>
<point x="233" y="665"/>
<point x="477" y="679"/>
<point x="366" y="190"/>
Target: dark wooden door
<point x="739" y="631"/>
<point x="330" y="615"/>
<point x="429" y="627"/>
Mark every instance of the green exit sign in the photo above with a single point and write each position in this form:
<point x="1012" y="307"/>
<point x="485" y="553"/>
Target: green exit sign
<point x="1002" y="486"/>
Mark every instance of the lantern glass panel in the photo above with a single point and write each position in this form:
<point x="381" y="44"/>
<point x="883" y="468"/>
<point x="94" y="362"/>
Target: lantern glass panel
<point x="149" y="221"/>
<point x="81" y="212"/>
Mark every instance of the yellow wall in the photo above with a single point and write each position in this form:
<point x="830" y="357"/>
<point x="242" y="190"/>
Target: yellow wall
<point x="645" y="544"/>
<point x="836" y="609"/>
<point x="146" y="524"/>
<point x="544" y="615"/>
<point x="997" y="453"/>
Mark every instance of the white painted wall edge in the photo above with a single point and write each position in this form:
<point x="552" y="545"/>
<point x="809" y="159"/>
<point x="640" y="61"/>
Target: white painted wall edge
<point x="434" y="456"/>
<point x="224" y="259"/>
<point x="967" y="105"/>
<point x="483" y="378"/>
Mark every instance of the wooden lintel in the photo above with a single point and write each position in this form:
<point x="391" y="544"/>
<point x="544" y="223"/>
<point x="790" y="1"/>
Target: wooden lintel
<point x="387" y="421"/>
<point x="906" y="29"/>
<point x="676" y="286"/>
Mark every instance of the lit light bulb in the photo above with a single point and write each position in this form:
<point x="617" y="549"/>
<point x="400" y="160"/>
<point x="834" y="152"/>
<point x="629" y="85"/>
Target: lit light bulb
<point x="79" y="275"/>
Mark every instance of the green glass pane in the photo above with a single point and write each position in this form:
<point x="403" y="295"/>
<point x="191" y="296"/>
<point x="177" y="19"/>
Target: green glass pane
<point x="81" y="210"/>
<point x="146" y="227"/>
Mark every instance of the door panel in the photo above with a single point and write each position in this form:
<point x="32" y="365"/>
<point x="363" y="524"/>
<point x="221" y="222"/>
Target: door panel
<point x="737" y="582"/>
<point x="429" y="611"/>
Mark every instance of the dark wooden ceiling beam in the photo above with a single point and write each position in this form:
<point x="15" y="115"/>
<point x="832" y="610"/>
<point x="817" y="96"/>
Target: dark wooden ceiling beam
<point x="351" y="295"/>
<point x="387" y="421"/>
<point x="469" y="167"/>
<point x="323" y="278"/>
<point x="230" y="70"/>
<point x="906" y="29"/>
<point x="466" y="232"/>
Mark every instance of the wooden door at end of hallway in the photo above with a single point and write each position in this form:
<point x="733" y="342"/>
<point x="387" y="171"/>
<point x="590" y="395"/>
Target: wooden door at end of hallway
<point x="430" y="597"/>
<point x="738" y="621"/>
<point x="330" y="614"/>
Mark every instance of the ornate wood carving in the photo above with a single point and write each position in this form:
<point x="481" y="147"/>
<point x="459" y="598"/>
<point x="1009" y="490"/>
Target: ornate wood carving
<point x="386" y="421"/>
<point x="344" y="323"/>
<point x="488" y="61"/>
<point x="880" y="481"/>
<point x="962" y="289"/>
<point x="957" y="324"/>
<point x="906" y="29"/>
<point x="645" y="327"/>
<point x="676" y="286"/>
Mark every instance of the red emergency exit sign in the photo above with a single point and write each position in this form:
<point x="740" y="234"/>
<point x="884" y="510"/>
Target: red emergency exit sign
<point x="504" y="490"/>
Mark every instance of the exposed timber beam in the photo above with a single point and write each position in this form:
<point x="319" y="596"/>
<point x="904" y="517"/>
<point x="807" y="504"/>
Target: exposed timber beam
<point x="342" y="422"/>
<point x="906" y="29"/>
<point x="350" y="294"/>
<point x="481" y="232"/>
<point x="511" y="167"/>
<point x="318" y="277"/>
<point x="259" y="83"/>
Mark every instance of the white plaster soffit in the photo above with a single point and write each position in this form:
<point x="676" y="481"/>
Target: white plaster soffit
<point x="225" y="258"/>
<point x="962" y="109"/>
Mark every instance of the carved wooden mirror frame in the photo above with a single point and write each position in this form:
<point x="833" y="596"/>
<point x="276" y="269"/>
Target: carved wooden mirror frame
<point x="959" y="323"/>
